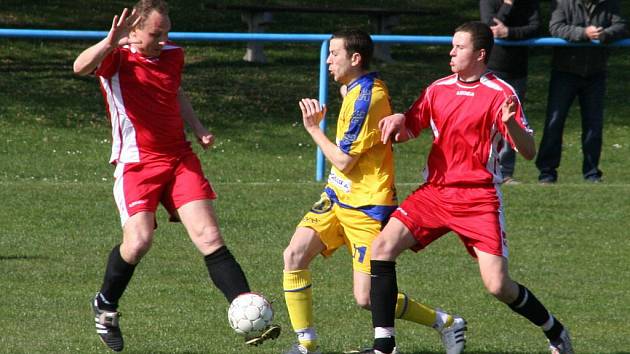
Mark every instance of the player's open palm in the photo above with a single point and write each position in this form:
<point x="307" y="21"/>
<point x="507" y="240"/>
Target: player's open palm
<point x="508" y="109"/>
<point x="312" y="113"/>
<point x="121" y="26"/>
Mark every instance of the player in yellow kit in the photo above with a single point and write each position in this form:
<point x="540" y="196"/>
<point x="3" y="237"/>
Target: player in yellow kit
<point x="357" y="200"/>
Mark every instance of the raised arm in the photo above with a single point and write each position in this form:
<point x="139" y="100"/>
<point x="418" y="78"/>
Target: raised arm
<point x="312" y="114"/>
<point x="523" y="141"/>
<point x="118" y="35"/>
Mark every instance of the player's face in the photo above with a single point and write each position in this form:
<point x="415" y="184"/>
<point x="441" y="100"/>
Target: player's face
<point x="153" y="34"/>
<point x="340" y="61"/>
<point x="464" y="57"/>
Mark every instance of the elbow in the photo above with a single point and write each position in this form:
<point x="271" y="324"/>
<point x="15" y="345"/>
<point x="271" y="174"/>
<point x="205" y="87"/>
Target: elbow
<point x="529" y="153"/>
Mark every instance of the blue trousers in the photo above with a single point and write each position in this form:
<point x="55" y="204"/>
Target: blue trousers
<point x="563" y="88"/>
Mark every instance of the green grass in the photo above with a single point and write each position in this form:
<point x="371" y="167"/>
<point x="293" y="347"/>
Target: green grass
<point x="58" y="222"/>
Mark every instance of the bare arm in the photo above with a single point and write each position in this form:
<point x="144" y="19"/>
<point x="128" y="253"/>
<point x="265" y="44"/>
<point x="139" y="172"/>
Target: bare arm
<point x="204" y="137"/>
<point x="312" y="114"/>
<point x="118" y="35"/>
<point x="394" y="127"/>
<point x="523" y="141"/>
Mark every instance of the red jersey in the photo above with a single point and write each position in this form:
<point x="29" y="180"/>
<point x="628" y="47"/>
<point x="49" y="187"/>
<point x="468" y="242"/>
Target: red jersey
<point x="141" y="98"/>
<point x="467" y="129"/>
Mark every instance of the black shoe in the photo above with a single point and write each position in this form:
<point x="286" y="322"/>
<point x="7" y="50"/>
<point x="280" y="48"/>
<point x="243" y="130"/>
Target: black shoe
<point x="272" y="332"/>
<point x="593" y="179"/>
<point x="107" y="327"/>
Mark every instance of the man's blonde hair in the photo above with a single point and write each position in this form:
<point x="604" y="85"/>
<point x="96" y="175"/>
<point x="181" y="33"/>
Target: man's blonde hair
<point x="145" y="7"/>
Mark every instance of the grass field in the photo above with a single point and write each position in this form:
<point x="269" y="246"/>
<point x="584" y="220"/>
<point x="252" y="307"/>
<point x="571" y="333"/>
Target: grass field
<point x="569" y="242"/>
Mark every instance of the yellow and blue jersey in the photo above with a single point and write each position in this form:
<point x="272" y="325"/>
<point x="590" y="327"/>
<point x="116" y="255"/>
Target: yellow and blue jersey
<point x="369" y="186"/>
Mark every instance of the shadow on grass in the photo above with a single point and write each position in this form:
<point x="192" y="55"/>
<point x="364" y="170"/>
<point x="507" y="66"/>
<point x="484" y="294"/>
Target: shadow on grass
<point x="22" y="257"/>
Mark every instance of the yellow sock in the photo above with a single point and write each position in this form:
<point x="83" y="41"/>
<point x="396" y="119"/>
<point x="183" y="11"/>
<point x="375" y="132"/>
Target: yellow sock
<point x="298" y="296"/>
<point x="411" y="310"/>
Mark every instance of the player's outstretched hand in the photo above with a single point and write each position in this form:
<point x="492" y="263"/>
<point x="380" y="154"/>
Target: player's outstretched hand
<point x="121" y="26"/>
<point x="312" y="112"/>
<point x="508" y="109"/>
<point x="391" y="125"/>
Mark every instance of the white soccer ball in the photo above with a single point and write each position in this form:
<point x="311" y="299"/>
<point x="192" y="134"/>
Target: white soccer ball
<point x="250" y="314"/>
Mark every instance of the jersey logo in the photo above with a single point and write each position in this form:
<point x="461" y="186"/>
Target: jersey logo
<point x="339" y="182"/>
<point x="465" y="93"/>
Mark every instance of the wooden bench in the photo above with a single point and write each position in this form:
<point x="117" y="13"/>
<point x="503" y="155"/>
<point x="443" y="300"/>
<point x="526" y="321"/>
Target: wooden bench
<point x="259" y="17"/>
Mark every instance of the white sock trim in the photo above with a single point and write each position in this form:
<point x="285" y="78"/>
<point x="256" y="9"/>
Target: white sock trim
<point x="550" y="322"/>
<point x="384" y="332"/>
<point x="306" y="334"/>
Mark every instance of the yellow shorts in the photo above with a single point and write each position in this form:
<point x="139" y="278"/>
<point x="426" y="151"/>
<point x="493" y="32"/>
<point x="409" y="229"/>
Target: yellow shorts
<point x="337" y="226"/>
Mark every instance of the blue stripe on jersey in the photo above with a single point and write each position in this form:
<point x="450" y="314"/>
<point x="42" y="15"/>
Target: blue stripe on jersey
<point x="361" y="107"/>
<point x="377" y="212"/>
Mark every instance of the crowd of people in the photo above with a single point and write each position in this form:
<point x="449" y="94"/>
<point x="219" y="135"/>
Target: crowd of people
<point x="477" y="122"/>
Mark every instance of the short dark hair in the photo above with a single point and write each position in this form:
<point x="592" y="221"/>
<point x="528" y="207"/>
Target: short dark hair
<point x="145" y="7"/>
<point x="357" y="41"/>
<point x="481" y="35"/>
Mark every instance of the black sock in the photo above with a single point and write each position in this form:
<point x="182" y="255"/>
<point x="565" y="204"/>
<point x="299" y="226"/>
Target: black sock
<point x="383" y="296"/>
<point x="528" y="306"/>
<point x="226" y="273"/>
<point x="117" y="277"/>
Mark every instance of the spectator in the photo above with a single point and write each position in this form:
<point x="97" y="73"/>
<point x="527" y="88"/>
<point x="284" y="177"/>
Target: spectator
<point x="510" y="20"/>
<point x="581" y="72"/>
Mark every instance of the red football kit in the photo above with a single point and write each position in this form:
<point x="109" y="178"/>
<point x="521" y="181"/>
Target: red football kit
<point x="461" y="192"/>
<point x="154" y="161"/>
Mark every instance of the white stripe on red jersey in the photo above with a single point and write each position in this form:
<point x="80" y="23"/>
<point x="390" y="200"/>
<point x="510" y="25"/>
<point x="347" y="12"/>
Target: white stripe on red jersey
<point x="465" y="119"/>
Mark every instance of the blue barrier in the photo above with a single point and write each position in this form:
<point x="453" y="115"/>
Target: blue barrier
<point x="275" y="37"/>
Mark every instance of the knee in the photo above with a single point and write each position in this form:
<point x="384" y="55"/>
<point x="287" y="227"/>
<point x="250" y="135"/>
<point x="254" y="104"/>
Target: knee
<point x="294" y="258"/>
<point x="381" y="249"/>
<point x="134" y="248"/>
<point x="363" y="300"/>
<point x="501" y="289"/>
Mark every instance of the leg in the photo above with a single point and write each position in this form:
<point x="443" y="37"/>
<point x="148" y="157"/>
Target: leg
<point x="387" y="246"/>
<point x="562" y="91"/>
<point x="494" y="273"/>
<point x="592" y="109"/>
<point x="304" y="246"/>
<point x="137" y="238"/>
<point x="201" y="224"/>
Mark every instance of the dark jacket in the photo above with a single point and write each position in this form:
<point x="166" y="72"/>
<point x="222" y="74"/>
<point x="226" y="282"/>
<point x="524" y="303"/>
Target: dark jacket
<point x="523" y="20"/>
<point x="569" y="18"/>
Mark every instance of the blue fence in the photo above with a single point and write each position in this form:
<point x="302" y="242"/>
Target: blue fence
<point x="294" y="38"/>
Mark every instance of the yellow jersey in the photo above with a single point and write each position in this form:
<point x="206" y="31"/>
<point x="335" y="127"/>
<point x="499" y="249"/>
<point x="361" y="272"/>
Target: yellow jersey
<point x="369" y="185"/>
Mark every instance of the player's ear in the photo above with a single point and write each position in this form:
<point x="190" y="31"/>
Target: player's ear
<point x="356" y="59"/>
<point x="482" y="55"/>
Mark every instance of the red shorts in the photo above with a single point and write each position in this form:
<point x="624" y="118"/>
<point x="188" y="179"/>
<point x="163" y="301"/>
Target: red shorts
<point x="475" y="214"/>
<point x="141" y="186"/>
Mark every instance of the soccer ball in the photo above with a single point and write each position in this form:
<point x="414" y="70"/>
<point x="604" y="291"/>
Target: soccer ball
<point x="250" y="314"/>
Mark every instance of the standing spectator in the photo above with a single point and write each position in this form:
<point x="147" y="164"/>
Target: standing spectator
<point x="581" y="72"/>
<point x="140" y="74"/>
<point x="510" y="20"/>
<point x="468" y="113"/>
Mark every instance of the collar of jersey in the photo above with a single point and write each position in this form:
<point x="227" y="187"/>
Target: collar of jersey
<point x="362" y="79"/>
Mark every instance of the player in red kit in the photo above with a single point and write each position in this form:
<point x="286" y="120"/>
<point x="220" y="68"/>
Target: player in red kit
<point x="470" y="113"/>
<point x="140" y="76"/>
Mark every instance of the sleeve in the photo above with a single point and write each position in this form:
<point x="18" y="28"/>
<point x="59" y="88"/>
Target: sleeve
<point x="363" y="132"/>
<point x="110" y="64"/>
<point x="529" y="30"/>
<point x="618" y="27"/>
<point x="487" y="12"/>
<point x="419" y="114"/>
<point x="559" y="25"/>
